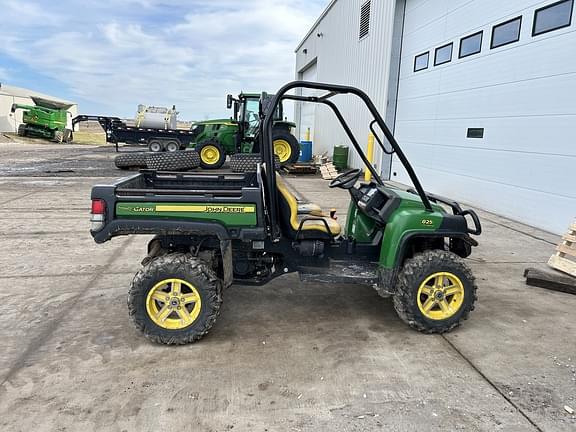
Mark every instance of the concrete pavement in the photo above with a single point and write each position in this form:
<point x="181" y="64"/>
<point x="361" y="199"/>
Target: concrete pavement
<point x="284" y="357"/>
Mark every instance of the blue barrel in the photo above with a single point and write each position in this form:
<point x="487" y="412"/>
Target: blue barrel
<point x="305" y="151"/>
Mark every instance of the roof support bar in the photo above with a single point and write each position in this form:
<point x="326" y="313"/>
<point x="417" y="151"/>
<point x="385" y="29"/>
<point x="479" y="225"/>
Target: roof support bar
<point x="349" y="133"/>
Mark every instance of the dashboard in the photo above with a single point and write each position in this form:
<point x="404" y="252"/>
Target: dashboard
<point x="375" y="201"/>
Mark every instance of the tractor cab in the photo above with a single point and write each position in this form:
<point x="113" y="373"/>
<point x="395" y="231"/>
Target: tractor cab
<point x="246" y="111"/>
<point x="247" y="114"/>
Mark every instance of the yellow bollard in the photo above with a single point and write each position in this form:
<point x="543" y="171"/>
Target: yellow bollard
<point x="369" y="156"/>
<point x="307" y="135"/>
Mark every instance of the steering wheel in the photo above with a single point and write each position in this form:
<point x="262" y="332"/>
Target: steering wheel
<point x="347" y="179"/>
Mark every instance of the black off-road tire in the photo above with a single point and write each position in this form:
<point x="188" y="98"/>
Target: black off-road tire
<point x="281" y="134"/>
<point x="173" y="161"/>
<point x="220" y="161"/>
<point x="414" y="272"/>
<point x="22" y="130"/>
<point x="130" y="160"/>
<point x="181" y="266"/>
<point x="247" y="162"/>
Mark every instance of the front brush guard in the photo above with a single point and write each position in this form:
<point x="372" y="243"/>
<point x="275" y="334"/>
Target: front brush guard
<point x="457" y="210"/>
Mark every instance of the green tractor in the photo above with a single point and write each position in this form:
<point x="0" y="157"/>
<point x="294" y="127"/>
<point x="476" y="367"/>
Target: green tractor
<point x="214" y="139"/>
<point x="46" y="119"/>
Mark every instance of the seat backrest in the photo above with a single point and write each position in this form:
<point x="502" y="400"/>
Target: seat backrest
<point x="288" y="204"/>
<point x="313" y="228"/>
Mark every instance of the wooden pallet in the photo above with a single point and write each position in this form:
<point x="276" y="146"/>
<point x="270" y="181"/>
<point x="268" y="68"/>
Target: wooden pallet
<point x="565" y="257"/>
<point x="328" y="171"/>
<point x="301" y="168"/>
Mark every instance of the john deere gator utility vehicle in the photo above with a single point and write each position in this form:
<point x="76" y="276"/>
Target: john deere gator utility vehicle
<point x="214" y="230"/>
<point x="47" y="119"/>
<point x="214" y="139"/>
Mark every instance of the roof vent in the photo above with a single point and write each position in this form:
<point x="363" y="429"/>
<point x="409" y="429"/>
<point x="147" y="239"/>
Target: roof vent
<point x="364" y="20"/>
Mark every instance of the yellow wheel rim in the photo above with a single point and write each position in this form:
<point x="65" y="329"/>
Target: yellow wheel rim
<point x="210" y="154"/>
<point x="173" y="304"/>
<point x="440" y="296"/>
<point x="283" y="150"/>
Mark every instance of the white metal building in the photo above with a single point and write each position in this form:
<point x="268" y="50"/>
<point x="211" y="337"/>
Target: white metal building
<point x="481" y="95"/>
<point x="10" y="95"/>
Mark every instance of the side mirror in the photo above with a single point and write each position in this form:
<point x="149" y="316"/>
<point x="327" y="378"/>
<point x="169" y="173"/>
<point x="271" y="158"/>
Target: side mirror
<point x="229" y="100"/>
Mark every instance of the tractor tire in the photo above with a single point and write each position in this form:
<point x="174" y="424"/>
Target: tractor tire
<point x="425" y="301"/>
<point x="285" y="146"/>
<point x="22" y="130"/>
<point x="212" y="154"/>
<point x="247" y="162"/>
<point x="130" y="160"/>
<point x="173" y="161"/>
<point x="172" y="146"/>
<point x="175" y="299"/>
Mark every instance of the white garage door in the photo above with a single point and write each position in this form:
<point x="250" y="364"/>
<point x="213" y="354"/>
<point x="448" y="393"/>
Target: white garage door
<point x="307" y="110"/>
<point x="493" y="124"/>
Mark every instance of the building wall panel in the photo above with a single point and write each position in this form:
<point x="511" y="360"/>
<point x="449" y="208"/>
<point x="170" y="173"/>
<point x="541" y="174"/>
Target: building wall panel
<point x="522" y="94"/>
<point x="343" y="59"/>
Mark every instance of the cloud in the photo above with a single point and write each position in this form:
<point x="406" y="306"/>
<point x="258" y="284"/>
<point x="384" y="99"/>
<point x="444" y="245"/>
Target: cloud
<point x="116" y="54"/>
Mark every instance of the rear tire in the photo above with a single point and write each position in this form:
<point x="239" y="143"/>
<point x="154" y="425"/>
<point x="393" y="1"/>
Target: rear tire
<point x="175" y="161"/>
<point x="212" y="155"/>
<point x="130" y="160"/>
<point x="451" y="300"/>
<point x="146" y="299"/>
<point x="247" y="162"/>
<point x="172" y="146"/>
<point x="155" y="146"/>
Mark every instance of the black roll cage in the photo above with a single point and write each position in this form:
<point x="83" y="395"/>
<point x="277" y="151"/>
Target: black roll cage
<point x="332" y="90"/>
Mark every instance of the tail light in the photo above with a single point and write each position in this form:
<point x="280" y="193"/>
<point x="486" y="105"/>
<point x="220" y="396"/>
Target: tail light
<point x="97" y="214"/>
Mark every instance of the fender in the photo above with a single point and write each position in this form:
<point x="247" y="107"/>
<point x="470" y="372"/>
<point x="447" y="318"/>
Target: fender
<point x="429" y="234"/>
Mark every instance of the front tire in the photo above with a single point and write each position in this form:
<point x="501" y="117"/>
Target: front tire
<point x="286" y="147"/>
<point x="212" y="155"/>
<point x="435" y="292"/>
<point x="175" y="299"/>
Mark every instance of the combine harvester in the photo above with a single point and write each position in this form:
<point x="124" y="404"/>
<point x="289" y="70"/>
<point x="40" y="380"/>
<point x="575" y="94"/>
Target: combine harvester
<point x="46" y="119"/>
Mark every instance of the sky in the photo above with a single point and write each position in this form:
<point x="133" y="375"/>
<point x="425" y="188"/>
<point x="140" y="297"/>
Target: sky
<point x="111" y="55"/>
